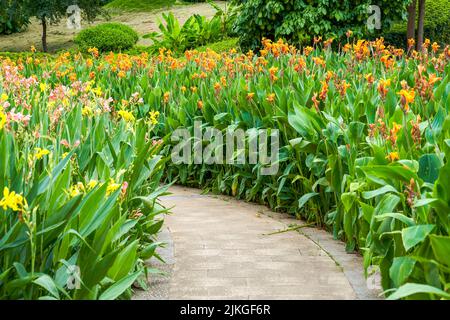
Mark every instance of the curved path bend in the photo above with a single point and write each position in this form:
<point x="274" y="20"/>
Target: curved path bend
<point x="221" y="248"/>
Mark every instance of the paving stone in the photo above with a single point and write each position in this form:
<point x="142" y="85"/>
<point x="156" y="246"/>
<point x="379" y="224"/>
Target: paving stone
<point x="224" y="249"/>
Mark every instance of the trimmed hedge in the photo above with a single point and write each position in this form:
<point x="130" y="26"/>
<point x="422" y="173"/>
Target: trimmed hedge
<point x="436" y="27"/>
<point x="107" y="37"/>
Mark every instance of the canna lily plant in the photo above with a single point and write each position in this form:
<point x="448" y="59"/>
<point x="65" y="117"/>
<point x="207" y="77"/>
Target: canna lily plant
<point x="364" y="133"/>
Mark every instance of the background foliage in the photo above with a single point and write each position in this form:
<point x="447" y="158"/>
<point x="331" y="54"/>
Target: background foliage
<point x="13" y="16"/>
<point x="436" y="27"/>
<point x="300" y="20"/>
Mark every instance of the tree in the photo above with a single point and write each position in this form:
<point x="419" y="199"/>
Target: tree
<point x="411" y="30"/>
<point x="51" y="11"/>
<point x="420" y="24"/>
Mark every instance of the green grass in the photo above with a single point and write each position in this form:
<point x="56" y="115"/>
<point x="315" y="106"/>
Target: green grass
<point x="221" y="46"/>
<point x="139" y="5"/>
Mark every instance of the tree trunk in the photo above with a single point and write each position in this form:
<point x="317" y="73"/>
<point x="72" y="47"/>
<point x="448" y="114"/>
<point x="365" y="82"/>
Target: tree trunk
<point x="44" y="34"/>
<point x="420" y="24"/>
<point x="411" y="31"/>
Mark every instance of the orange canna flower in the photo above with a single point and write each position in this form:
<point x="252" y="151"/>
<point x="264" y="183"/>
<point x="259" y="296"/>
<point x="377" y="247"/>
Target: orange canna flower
<point x="250" y="95"/>
<point x="319" y="61"/>
<point x="432" y="79"/>
<point x="393" y="156"/>
<point x="393" y="133"/>
<point x="324" y="91"/>
<point x="166" y="97"/>
<point x="316" y="102"/>
<point x="217" y="87"/>
<point x="273" y="71"/>
<point x="271" y="97"/>
<point x="344" y="86"/>
<point x="200" y="104"/>
<point x="369" y="78"/>
<point x="382" y="87"/>
<point x="435" y="47"/>
<point x="387" y="61"/>
<point x="407" y="97"/>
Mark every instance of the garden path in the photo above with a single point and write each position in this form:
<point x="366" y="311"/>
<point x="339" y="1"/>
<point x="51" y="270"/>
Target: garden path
<point x="222" y="248"/>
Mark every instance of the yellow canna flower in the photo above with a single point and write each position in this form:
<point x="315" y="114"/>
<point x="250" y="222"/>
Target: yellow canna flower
<point x="126" y="115"/>
<point x="40" y="153"/>
<point x="2" y="119"/>
<point x="74" y="191"/>
<point x="13" y="201"/>
<point x="98" y="91"/>
<point x="154" y="117"/>
<point x="92" y="184"/>
<point x="87" y="111"/>
<point x="3" y="97"/>
<point x="43" y="87"/>
<point x="112" y="187"/>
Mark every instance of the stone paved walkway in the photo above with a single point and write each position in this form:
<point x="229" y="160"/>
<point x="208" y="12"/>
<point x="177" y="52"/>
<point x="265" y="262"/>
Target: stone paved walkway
<point x="221" y="248"/>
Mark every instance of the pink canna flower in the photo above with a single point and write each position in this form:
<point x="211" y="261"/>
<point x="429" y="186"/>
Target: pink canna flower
<point x="65" y="143"/>
<point x="124" y="187"/>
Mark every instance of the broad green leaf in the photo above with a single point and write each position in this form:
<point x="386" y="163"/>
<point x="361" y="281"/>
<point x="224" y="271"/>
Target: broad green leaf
<point x="305" y="198"/>
<point x="119" y="287"/>
<point x="401" y="269"/>
<point x="48" y="284"/>
<point x="413" y="288"/>
<point x="414" y="235"/>
<point x="441" y="248"/>
<point x="429" y="166"/>
<point x="378" y="192"/>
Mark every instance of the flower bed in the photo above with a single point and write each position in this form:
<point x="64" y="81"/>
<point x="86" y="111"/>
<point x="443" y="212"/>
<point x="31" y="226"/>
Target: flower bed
<point x="364" y="146"/>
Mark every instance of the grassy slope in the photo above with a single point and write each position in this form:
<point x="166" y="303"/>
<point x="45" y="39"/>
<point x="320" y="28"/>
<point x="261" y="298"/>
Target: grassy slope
<point x="139" y="5"/>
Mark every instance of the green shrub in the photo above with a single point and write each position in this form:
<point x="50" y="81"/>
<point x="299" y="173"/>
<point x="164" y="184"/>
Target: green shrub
<point x="107" y="37"/>
<point x="436" y="26"/>
<point x="196" y="31"/>
<point x="299" y="20"/>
